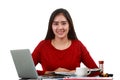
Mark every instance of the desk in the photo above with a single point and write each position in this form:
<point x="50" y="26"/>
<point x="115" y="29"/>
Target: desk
<point x="89" y="78"/>
<point x="76" y="78"/>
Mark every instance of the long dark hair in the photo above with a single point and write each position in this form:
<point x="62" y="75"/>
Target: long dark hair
<point x="71" y="34"/>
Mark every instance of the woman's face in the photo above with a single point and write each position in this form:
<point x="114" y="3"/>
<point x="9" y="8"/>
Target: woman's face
<point x="60" y="26"/>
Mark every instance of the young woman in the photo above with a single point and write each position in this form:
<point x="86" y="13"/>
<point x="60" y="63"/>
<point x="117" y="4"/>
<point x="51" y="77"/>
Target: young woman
<point x="61" y="51"/>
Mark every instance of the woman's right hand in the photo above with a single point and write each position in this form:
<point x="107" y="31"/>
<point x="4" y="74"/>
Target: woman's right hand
<point x="61" y="70"/>
<point x="49" y="72"/>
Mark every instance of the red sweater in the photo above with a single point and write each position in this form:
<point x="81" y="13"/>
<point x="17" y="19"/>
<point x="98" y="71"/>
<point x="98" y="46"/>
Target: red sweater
<point x="51" y="58"/>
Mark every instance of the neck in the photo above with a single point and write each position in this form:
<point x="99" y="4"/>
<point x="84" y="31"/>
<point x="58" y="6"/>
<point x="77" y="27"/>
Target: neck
<point x="61" y="43"/>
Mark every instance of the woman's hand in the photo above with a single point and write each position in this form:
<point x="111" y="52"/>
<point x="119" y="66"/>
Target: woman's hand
<point x="61" y="70"/>
<point x="64" y="70"/>
<point x="72" y="71"/>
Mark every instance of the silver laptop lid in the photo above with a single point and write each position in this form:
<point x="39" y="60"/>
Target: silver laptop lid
<point x="24" y="63"/>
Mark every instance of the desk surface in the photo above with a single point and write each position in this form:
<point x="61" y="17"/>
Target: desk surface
<point x="75" y="78"/>
<point x="89" y="78"/>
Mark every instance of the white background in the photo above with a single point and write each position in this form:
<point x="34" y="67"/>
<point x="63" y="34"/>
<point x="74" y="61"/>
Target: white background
<point x="23" y="24"/>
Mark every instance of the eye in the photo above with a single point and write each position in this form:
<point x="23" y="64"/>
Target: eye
<point x="55" y="23"/>
<point x="63" y="23"/>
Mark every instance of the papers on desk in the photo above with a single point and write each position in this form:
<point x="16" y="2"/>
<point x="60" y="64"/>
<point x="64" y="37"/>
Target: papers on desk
<point x="50" y="78"/>
<point x="56" y="76"/>
<point x="95" y="69"/>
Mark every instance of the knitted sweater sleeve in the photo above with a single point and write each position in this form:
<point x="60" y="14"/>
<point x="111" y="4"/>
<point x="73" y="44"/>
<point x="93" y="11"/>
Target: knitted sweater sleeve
<point x="36" y="57"/>
<point x="88" y="60"/>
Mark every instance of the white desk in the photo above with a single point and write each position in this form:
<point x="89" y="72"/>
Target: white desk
<point x="89" y="78"/>
<point x="75" y="78"/>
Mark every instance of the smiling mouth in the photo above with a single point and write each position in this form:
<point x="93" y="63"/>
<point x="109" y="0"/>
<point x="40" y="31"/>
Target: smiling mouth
<point x="60" y="32"/>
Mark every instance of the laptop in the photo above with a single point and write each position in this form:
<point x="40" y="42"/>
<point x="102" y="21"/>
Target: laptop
<point x="24" y="64"/>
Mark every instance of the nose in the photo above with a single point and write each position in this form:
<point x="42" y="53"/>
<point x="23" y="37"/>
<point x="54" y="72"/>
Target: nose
<point x="60" y="26"/>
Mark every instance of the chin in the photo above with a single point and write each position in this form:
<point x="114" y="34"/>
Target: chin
<point x="61" y="37"/>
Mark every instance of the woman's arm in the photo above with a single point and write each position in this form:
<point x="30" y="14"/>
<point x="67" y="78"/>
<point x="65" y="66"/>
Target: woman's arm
<point x="88" y="60"/>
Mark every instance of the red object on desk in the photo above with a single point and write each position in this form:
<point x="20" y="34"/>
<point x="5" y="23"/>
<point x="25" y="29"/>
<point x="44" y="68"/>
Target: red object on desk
<point x="89" y="78"/>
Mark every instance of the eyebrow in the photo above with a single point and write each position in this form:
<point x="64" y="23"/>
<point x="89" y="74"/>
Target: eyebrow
<point x="60" y="21"/>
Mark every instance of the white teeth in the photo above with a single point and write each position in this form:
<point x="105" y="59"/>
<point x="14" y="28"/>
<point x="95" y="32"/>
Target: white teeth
<point x="60" y="32"/>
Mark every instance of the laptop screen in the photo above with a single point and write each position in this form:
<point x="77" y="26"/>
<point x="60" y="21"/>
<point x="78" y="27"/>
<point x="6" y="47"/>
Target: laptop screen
<point x="24" y="63"/>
